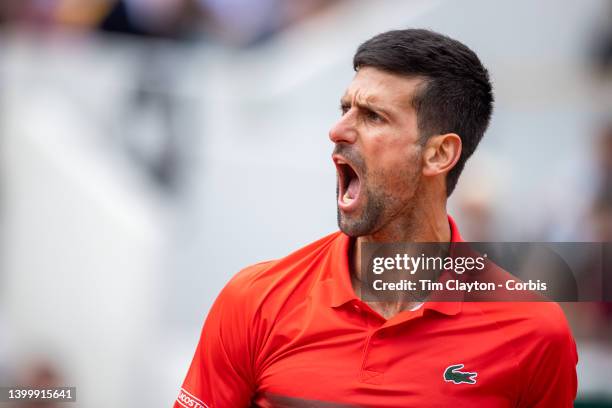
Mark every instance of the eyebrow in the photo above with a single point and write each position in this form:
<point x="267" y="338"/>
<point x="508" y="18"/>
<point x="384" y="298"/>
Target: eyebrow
<point x="345" y="100"/>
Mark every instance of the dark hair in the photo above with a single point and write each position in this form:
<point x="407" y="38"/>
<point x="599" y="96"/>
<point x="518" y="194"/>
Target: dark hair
<point x="456" y="96"/>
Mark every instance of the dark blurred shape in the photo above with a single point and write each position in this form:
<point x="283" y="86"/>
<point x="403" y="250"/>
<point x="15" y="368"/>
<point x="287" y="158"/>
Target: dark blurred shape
<point x="594" y="320"/>
<point x="603" y="200"/>
<point x="602" y="50"/>
<point x="173" y="19"/>
<point x="601" y="216"/>
<point x="160" y="156"/>
<point x="593" y="403"/>
<point x="50" y="13"/>
<point x="601" y="213"/>
<point x="119" y="21"/>
<point x="240" y="23"/>
<point x="536" y="261"/>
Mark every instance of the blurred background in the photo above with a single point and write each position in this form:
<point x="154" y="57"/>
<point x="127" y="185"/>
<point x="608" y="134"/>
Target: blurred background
<point x="150" y="149"/>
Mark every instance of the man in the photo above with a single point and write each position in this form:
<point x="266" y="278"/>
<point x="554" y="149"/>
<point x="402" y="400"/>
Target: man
<point x="295" y="332"/>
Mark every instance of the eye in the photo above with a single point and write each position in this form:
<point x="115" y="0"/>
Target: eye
<point x="344" y="107"/>
<point x="373" y="116"/>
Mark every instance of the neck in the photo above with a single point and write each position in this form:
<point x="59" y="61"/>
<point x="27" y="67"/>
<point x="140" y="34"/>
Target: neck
<point x="430" y="225"/>
<point x="427" y="223"/>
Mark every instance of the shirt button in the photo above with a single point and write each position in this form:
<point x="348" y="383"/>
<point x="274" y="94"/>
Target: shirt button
<point x="357" y="307"/>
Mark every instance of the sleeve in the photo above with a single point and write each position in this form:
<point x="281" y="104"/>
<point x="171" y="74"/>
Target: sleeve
<point x="221" y="374"/>
<point x="550" y="378"/>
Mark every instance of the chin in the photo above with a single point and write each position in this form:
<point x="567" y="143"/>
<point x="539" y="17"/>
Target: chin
<point x="355" y="226"/>
<point x="363" y="220"/>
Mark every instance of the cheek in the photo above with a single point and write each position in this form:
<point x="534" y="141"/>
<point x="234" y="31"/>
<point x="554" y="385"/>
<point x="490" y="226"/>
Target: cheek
<point x="395" y="167"/>
<point x="398" y="181"/>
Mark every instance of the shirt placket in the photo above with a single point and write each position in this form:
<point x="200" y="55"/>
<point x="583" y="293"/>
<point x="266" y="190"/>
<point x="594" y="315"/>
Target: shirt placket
<point x="376" y="353"/>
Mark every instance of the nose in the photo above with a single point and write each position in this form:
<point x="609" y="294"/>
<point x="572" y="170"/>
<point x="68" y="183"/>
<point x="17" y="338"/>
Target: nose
<point x="343" y="131"/>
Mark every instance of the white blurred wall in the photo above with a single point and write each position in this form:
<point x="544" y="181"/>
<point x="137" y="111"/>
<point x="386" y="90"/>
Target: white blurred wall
<point x="83" y="239"/>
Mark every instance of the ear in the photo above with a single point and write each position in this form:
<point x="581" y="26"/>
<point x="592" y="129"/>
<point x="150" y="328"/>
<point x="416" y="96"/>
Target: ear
<point x="441" y="153"/>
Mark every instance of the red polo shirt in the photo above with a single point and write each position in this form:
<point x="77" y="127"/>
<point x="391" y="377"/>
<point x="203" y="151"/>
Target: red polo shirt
<point x="292" y="333"/>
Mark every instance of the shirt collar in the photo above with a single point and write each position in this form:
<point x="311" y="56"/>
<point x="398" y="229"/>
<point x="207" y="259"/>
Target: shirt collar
<point x="340" y="290"/>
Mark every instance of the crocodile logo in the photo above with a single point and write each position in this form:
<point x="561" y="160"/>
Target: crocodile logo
<point x="452" y="374"/>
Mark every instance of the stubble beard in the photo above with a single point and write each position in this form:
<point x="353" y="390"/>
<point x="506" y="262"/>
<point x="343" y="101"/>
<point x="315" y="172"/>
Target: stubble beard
<point x="369" y="219"/>
<point x="379" y="211"/>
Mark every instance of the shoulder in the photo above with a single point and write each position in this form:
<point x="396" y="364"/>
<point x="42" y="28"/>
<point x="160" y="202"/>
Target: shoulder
<point x="546" y="319"/>
<point x="538" y="339"/>
<point x="540" y="320"/>
<point x="525" y="313"/>
<point x="537" y="333"/>
<point x="544" y="351"/>
<point x="276" y="280"/>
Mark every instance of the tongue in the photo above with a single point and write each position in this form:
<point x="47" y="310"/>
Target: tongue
<point x="353" y="188"/>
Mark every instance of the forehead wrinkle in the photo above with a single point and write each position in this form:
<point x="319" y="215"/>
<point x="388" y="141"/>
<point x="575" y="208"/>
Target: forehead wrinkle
<point x="355" y="95"/>
<point x="373" y="101"/>
<point x="365" y="98"/>
<point x="361" y="98"/>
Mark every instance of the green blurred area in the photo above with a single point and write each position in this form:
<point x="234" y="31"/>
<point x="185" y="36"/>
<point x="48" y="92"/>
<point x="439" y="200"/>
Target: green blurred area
<point x="593" y="403"/>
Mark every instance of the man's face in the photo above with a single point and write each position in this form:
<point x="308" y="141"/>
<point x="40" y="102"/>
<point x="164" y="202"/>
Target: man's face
<point x="377" y="152"/>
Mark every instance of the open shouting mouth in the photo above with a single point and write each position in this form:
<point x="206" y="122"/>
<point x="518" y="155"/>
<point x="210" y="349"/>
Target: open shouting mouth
<point x="349" y="184"/>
